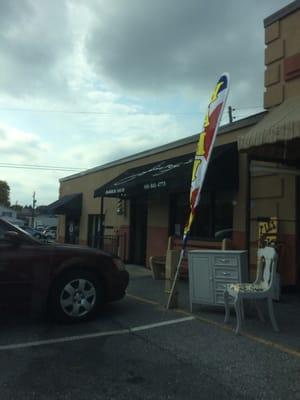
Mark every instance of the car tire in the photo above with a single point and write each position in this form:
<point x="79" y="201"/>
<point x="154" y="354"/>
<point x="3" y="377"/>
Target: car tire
<point x="76" y="296"/>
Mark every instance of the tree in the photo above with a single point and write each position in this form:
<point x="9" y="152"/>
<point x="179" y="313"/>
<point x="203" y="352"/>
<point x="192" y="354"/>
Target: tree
<point x="4" y="194"/>
<point x="17" y="207"/>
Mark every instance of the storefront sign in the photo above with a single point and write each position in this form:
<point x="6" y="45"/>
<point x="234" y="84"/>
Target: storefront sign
<point x="267" y="231"/>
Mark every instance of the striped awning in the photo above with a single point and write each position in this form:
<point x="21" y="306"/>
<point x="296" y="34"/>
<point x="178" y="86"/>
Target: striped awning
<point x="281" y="124"/>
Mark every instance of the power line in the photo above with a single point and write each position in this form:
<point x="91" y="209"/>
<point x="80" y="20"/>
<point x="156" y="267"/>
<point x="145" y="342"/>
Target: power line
<point x="97" y="112"/>
<point x="40" y="167"/>
<point x="78" y="112"/>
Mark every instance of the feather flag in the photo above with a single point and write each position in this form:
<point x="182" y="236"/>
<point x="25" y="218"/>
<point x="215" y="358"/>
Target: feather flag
<point x="205" y="146"/>
<point x="202" y="156"/>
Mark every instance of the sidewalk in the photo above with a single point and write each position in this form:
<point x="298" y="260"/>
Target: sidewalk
<point x="287" y="311"/>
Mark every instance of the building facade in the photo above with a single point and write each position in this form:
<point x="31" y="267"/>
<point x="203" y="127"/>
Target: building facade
<point x="253" y="178"/>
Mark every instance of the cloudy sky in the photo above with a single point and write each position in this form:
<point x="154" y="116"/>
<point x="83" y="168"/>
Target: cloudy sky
<point x="84" y="82"/>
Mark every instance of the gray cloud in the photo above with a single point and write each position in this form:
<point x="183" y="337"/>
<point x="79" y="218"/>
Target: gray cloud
<point x="143" y="47"/>
<point x="138" y="55"/>
<point x="35" y="39"/>
<point x="156" y="46"/>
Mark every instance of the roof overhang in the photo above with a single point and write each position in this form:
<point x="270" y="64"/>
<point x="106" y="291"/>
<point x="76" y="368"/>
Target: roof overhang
<point x="277" y="136"/>
<point x="174" y="175"/>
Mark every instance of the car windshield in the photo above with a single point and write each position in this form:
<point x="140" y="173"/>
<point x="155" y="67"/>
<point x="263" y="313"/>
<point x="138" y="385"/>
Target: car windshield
<point x="24" y="232"/>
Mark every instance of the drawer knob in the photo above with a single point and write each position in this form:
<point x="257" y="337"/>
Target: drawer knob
<point x="226" y="273"/>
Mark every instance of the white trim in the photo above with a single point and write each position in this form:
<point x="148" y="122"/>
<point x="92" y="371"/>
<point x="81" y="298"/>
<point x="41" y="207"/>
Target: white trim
<point x="94" y="335"/>
<point x="275" y="170"/>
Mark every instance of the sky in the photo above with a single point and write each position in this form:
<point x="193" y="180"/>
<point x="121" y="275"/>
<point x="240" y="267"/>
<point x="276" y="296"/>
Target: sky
<point x="86" y="82"/>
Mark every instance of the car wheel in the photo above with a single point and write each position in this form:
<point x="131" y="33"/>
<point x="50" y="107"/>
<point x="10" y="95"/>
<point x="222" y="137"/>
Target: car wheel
<point x="76" y="296"/>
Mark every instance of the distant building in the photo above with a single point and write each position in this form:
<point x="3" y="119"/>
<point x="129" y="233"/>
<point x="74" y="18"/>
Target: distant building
<point x="45" y="220"/>
<point x="10" y="215"/>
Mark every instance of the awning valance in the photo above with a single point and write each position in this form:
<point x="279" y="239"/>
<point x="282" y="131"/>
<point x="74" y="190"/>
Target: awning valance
<point x="70" y="205"/>
<point x="174" y="175"/>
<point x="282" y="124"/>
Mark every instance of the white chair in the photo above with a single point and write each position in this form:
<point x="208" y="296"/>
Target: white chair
<point x="262" y="288"/>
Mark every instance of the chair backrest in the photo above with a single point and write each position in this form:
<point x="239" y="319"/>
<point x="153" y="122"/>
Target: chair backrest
<point x="267" y="267"/>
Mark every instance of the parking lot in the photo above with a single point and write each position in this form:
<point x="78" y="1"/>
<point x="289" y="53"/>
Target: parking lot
<point x="136" y="349"/>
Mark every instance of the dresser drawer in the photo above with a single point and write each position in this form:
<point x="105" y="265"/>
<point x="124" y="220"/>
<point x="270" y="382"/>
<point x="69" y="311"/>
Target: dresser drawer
<point x="221" y="285"/>
<point x="231" y="274"/>
<point x="225" y="260"/>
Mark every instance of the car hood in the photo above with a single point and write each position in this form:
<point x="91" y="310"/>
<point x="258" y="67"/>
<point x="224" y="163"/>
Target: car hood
<point x="78" y="249"/>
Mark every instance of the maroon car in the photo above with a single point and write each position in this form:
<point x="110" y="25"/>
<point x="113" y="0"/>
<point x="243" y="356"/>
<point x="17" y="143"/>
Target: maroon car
<point x="71" y="281"/>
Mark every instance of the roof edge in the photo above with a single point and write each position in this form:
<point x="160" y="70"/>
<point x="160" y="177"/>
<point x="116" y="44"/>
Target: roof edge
<point x="282" y="13"/>
<point x="241" y="123"/>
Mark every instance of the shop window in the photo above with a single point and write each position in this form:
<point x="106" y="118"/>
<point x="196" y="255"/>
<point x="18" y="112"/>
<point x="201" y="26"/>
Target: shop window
<point x="213" y="220"/>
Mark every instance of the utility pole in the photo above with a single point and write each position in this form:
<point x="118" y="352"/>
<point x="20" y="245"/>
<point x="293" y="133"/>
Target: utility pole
<point x="33" y="209"/>
<point x="230" y="111"/>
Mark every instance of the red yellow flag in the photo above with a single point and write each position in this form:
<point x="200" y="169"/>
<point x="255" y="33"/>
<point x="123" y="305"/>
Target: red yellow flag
<point x="205" y="146"/>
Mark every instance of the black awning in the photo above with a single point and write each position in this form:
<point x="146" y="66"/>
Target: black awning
<point x="70" y="205"/>
<point x="174" y="175"/>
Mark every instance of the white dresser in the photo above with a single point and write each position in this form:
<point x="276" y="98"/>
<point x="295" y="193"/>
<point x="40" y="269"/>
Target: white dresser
<point x="210" y="270"/>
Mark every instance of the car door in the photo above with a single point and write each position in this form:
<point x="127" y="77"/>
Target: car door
<point x="17" y="260"/>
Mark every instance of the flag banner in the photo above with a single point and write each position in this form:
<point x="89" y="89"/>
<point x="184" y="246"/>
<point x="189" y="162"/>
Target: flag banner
<point x="202" y="156"/>
<point x="205" y="146"/>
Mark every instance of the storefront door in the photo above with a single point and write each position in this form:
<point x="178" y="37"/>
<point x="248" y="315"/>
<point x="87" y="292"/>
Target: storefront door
<point x="138" y="230"/>
<point x="298" y="231"/>
<point x="72" y="230"/>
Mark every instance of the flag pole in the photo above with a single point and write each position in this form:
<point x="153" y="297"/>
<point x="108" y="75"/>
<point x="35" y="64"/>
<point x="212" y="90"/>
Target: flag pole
<point x="175" y="278"/>
<point x="202" y="157"/>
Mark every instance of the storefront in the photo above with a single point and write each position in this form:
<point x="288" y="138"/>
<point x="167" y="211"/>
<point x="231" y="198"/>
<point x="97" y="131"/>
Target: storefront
<point x="273" y="148"/>
<point x="168" y="182"/>
<point x="70" y="206"/>
<point x="273" y="144"/>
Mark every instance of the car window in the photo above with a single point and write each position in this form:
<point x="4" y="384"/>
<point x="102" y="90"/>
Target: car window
<point x="26" y="233"/>
<point x="1" y="232"/>
<point x="4" y="228"/>
<point x="3" y="242"/>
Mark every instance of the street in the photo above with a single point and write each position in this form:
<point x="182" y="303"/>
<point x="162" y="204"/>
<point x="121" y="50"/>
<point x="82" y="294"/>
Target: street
<point x="137" y="350"/>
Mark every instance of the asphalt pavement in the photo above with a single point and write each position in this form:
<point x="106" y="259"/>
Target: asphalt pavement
<point x="136" y="349"/>
<point x="287" y="310"/>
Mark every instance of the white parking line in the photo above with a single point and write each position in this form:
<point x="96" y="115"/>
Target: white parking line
<point x="93" y="335"/>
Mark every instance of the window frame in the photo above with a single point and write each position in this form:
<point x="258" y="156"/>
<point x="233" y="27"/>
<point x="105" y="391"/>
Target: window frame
<point x="212" y="196"/>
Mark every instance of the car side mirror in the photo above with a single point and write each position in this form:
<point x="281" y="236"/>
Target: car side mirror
<point x="14" y="237"/>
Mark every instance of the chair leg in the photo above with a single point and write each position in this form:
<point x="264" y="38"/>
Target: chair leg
<point x="259" y="312"/>
<point x="242" y="309"/>
<point x="226" y="304"/>
<point x="237" y="306"/>
<point x="272" y="315"/>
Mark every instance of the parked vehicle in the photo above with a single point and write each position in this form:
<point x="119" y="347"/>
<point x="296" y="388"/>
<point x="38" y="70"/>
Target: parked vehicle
<point x="40" y="228"/>
<point x="50" y="233"/>
<point x="33" y="232"/>
<point x="70" y="281"/>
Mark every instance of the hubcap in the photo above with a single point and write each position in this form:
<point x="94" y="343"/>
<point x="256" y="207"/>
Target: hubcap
<point x="78" y="297"/>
